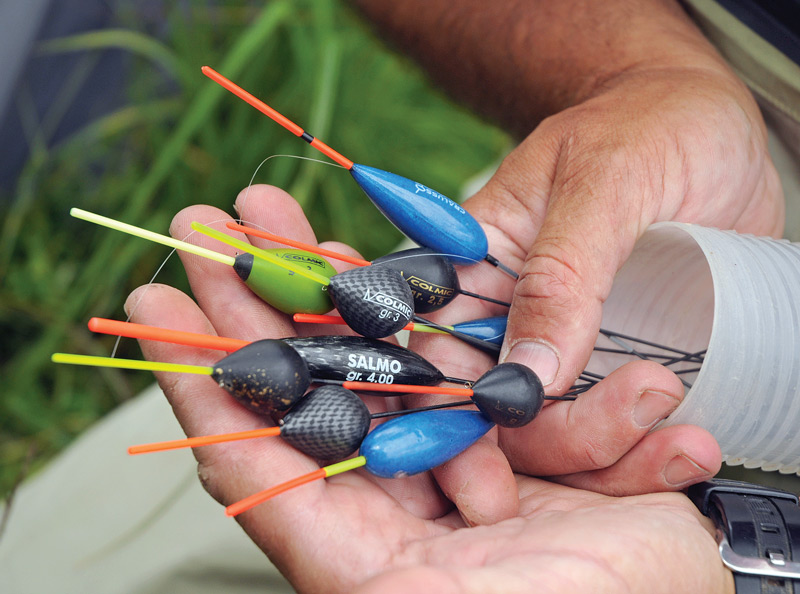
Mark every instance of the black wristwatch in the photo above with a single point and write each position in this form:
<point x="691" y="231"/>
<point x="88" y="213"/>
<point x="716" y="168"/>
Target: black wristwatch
<point x="758" y="532"/>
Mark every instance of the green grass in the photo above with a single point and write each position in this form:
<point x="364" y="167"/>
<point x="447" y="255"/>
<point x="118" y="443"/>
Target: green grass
<point x="179" y="140"/>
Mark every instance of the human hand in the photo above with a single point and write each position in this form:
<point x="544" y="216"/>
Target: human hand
<point x="573" y="198"/>
<point x="567" y="206"/>
<point x="646" y="123"/>
<point x="355" y="530"/>
<point x="565" y="539"/>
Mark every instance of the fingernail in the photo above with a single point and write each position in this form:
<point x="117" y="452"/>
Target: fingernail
<point x="652" y="407"/>
<point x="681" y="470"/>
<point x="541" y="358"/>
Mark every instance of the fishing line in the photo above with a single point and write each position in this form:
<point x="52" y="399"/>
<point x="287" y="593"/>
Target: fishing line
<point x="152" y="280"/>
<point x="609" y="333"/>
<point x="397" y="197"/>
<point x="252" y="179"/>
<point x="158" y="270"/>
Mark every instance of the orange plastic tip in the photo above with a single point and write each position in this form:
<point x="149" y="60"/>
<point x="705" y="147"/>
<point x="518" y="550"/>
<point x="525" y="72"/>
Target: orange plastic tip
<point x="302" y="318"/>
<point x="406" y="388"/>
<point x="257" y="498"/>
<point x="318" y="319"/>
<point x="274" y="115"/>
<point x="193" y="442"/>
<point x="296" y="244"/>
<point x="142" y="331"/>
<point x="329" y="152"/>
<point x="252" y="100"/>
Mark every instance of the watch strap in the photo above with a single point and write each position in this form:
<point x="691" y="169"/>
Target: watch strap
<point x="758" y="532"/>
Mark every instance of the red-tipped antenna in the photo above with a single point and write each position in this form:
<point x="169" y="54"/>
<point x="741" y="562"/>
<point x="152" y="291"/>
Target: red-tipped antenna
<point x="141" y="331"/>
<point x="276" y="117"/>
<point x="321" y="473"/>
<point x="193" y="442"/>
<point x="446" y="228"/>
<point x="338" y="321"/>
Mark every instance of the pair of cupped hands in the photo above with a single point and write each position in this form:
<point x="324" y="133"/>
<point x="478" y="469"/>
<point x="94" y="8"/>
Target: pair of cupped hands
<point x="586" y="497"/>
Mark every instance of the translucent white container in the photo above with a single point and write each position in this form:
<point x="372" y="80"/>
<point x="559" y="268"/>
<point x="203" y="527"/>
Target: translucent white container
<point x="693" y="288"/>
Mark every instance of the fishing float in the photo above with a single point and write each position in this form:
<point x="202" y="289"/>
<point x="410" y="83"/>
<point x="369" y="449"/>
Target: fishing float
<point x="422" y="214"/>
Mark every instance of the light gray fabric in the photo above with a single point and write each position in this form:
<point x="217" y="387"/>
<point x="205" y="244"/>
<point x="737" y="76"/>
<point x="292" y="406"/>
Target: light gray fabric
<point x="99" y="521"/>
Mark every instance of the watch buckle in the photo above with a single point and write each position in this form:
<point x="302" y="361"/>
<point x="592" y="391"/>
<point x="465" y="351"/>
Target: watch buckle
<point x="776" y="566"/>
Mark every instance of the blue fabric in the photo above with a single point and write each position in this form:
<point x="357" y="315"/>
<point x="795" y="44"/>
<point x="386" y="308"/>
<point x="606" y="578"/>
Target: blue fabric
<point x="777" y="21"/>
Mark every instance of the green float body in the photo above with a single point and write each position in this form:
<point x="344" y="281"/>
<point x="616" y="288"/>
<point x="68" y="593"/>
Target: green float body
<point x="285" y="290"/>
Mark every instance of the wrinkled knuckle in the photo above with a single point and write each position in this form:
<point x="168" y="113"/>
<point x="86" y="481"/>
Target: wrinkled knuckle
<point x="551" y="277"/>
<point x="587" y="448"/>
<point x="597" y="454"/>
<point x="614" y="169"/>
<point x="615" y="164"/>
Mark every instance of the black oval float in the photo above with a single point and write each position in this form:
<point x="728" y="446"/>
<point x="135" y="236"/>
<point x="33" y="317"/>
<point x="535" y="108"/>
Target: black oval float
<point x="509" y="394"/>
<point x="356" y="358"/>
<point x="265" y="376"/>
<point x="431" y="276"/>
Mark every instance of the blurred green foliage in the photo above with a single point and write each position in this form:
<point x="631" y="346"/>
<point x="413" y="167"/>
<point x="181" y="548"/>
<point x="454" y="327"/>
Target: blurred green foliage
<point x="179" y="140"/>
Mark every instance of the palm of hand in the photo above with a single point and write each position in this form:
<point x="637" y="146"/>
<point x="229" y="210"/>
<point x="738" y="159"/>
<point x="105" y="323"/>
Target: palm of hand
<point x="351" y="530"/>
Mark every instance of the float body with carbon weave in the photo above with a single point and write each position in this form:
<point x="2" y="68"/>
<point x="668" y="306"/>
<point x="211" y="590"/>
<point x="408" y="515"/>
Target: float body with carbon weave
<point x="328" y="424"/>
<point x="356" y="358"/>
<point x="375" y="302"/>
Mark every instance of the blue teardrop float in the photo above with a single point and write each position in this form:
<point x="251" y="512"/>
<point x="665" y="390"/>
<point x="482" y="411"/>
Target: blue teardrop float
<point x="424" y="215"/>
<point x="420" y="441"/>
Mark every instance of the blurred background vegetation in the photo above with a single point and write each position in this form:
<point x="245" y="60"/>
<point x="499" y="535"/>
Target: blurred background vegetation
<point x="161" y="136"/>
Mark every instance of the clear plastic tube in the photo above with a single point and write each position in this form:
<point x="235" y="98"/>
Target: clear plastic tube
<point x="694" y="287"/>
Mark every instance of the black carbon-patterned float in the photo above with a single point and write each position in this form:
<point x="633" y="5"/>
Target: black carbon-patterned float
<point x="328" y="424"/>
<point x="431" y="276"/>
<point x="265" y="376"/>
<point x="359" y="359"/>
<point x="375" y="302"/>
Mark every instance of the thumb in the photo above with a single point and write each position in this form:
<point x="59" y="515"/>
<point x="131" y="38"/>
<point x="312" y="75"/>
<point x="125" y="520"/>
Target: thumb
<point x="587" y="232"/>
